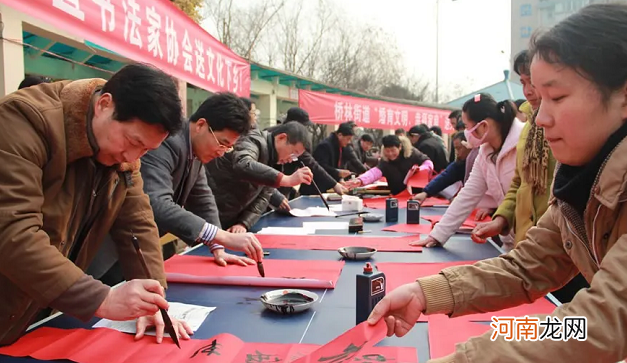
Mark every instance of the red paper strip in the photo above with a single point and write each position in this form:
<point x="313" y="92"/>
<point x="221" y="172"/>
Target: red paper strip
<point x="410" y="228"/>
<point x="332" y="243"/>
<point x="419" y="179"/>
<point x="379" y="202"/>
<point x="540" y="306"/>
<point x="94" y="346"/>
<point x="398" y="274"/>
<point x="444" y="333"/>
<point x="435" y="202"/>
<point x="281" y="273"/>
<point x="470" y="222"/>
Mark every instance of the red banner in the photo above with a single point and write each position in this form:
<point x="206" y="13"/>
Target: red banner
<point x="149" y="31"/>
<point x="328" y="108"/>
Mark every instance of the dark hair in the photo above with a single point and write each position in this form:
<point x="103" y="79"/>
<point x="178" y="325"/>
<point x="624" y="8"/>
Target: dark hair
<point x="391" y="141"/>
<point x="419" y="130"/>
<point x="224" y="110"/>
<point x="346" y="128"/>
<point x="519" y="102"/>
<point x="459" y="136"/>
<point x="32" y="81"/>
<point x="367" y="138"/>
<point x="522" y="61"/>
<point x="593" y="42"/>
<point x="144" y="92"/>
<point x="399" y="132"/>
<point x="296" y="133"/>
<point x="483" y="106"/>
<point x="455" y="114"/>
<point x="436" y="130"/>
<point x="460" y="125"/>
<point x="248" y="102"/>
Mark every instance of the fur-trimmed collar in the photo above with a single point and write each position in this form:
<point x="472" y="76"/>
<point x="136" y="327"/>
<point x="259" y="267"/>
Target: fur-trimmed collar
<point x="77" y="99"/>
<point x="406" y="148"/>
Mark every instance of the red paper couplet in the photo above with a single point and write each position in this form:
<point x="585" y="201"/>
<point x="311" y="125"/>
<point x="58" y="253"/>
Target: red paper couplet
<point x="332" y="243"/>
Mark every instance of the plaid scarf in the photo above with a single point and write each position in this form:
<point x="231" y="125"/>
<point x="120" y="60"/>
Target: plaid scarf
<point x="536" y="158"/>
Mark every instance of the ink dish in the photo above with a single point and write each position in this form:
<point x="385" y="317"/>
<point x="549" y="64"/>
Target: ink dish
<point x="357" y="253"/>
<point x="288" y="301"/>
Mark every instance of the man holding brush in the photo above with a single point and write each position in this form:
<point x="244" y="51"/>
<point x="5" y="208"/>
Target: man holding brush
<point x="244" y="180"/>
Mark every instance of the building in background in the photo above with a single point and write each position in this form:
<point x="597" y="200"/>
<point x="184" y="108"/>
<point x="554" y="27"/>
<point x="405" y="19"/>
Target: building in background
<point x="531" y="15"/>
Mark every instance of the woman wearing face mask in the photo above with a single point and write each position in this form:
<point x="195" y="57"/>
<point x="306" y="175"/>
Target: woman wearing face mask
<point x="493" y="127"/>
<point x="399" y="156"/>
<point x="579" y="67"/>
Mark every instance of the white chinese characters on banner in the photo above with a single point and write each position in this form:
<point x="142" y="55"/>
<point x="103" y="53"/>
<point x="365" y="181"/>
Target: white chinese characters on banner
<point x="200" y="58"/>
<point x="365" y="114"/>
<point x="357" y="113"/>
<point x="108" y="22"/>
<point x="211" y="57"/>
<point x="348" y="111"/>
<point x="172" y="43"/>
<point x="382" y="115"/>
<point x="71" y="7"/>
<point x="405" y="118"/>
<point x="219" y="68"/>
<point x="132" y="22"/>
<point x="339" y="110"/>
<point x="187" y="53"/>
<point x="154" y="30"/>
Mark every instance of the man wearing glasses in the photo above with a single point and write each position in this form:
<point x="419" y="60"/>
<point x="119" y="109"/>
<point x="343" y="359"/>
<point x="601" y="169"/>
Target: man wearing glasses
<point x="242" y="200"/>
<point x="175" y="179"/>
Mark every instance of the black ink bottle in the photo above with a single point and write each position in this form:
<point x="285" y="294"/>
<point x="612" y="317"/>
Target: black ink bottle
<point x="413" y="212"/>
<point x="391" y="210"/>
<point x="370" y="290"/>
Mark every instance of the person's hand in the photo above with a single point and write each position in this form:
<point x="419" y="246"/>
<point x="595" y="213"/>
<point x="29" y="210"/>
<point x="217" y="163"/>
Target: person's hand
<point x="133" y="299"/>
<point x="300" y="176"/>
<point x="245" y="242"/>
<point x="340" y="189"/>
<point x="237" y="228"/>
<point x="182" y="329"/>
<point x="420" y="197"/>
<point x="482" y="213"/>
<point x="353" y="183"/>
<point x="344" y="173"/>
<point x="401" y="309"/>
<point x="285" y="205"/>
<point x="425" y="242"/>
<point x="223" y="258"/>
<point x="490" y="229"/>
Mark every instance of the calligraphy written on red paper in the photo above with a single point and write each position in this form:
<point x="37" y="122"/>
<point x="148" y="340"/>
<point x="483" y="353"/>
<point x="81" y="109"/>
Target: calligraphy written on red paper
<point x="210" y="349"/>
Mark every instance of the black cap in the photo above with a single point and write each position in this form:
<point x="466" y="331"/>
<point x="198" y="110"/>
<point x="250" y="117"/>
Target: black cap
<point x="299" y="115"/>
<point x="418" y="130"/>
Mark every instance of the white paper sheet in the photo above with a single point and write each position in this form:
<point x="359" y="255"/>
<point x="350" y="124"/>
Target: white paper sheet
<point x="326" y="225"/>
<point x="287" y="231"/>
<point x="194" y="315"/>
<point x="335" y="207"/>
<point x="312" y="212"/>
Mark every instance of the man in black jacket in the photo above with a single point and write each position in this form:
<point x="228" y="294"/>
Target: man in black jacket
<point x="322" y="178"/>
<point x="362" y="160"/>
<point x="423" y="140"/>
<point x="329" y="155"/>
<point x="244" y="180"/>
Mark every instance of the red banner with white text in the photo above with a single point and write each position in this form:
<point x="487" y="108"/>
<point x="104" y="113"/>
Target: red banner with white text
<point x="328" y="108"/>
<point x="149" y="31"/>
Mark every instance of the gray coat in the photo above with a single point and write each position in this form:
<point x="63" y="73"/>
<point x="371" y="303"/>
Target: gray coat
<point x="179" y="195"/>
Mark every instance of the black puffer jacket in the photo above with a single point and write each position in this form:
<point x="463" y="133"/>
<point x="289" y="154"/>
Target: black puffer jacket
<point x="396" y="170"/>
<point x="242" y="181"/>
<point x="433" y="148"/>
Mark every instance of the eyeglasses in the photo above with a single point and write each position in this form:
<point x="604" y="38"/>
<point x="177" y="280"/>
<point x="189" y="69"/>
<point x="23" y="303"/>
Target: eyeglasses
<point x="225" y="148"/>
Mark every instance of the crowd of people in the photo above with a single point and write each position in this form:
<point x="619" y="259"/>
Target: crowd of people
<point x="90" y="164"/>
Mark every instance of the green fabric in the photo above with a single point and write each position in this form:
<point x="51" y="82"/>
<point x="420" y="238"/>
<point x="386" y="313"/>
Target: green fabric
<point x="522" y="208"/>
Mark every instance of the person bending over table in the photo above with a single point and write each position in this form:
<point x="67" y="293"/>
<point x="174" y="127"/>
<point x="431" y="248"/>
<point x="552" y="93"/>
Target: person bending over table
<point x="399" y="156"/>
<point x="242" y="202"/>
<point x="584" y="117"/>
<point x="329" y="155"/>
<point x="456" y="172"/>
<point x="493" y="127"/>
<point x="70" y="174"/>
<point x="323" y="179"/>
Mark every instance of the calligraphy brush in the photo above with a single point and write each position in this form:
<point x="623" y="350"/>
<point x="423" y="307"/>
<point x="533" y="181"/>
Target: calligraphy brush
<point x="318" y="190"/>
<point x="169" y="328"/>
<point x="351" y="214"/>
<point x="262" y="272"/>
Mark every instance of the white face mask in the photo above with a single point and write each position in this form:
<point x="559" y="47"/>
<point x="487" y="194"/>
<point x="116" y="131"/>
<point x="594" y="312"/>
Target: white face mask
<point x="472" y="141"/>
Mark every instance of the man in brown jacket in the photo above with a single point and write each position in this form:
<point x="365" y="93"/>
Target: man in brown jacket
<point x="70" y="174"/>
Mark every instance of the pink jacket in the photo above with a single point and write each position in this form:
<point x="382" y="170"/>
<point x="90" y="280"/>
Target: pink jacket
<point x="487" y="179"/>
